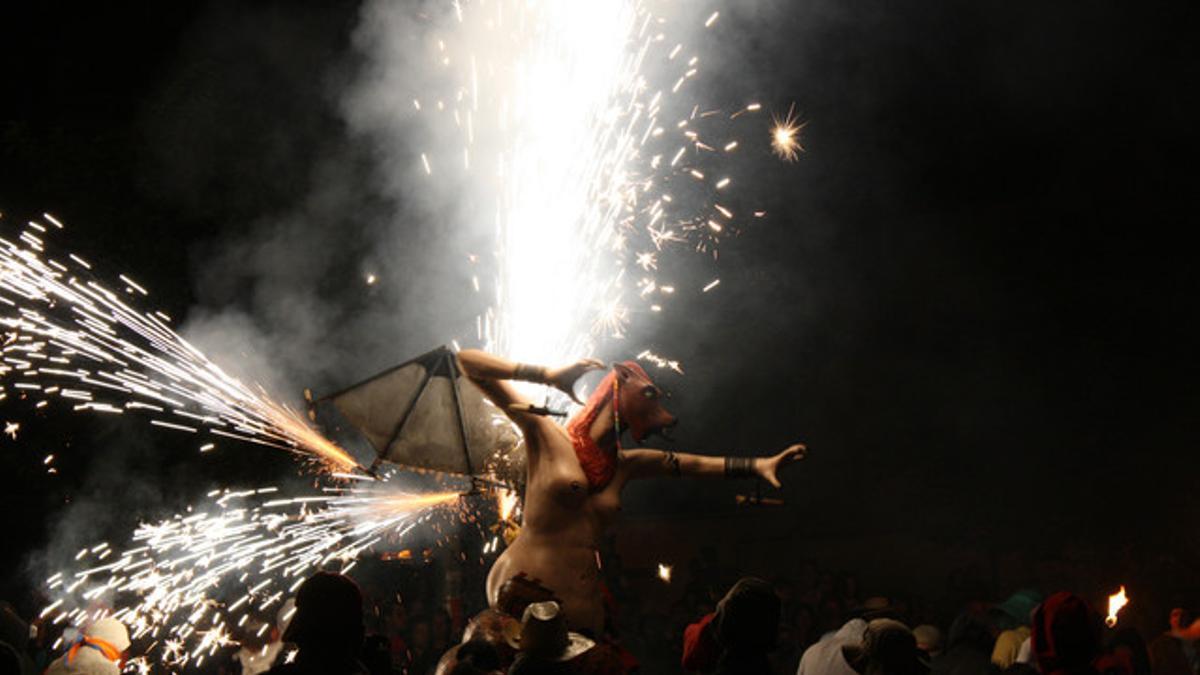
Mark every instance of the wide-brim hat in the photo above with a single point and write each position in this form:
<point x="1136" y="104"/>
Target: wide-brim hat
<point x="1020" y="605"/>
<point x="544" y="634"/>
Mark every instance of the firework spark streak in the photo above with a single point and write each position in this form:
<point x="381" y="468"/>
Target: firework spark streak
<point x="582" y="130"/>
<point x="192" y="578"/>
<point x="68" y="336"/>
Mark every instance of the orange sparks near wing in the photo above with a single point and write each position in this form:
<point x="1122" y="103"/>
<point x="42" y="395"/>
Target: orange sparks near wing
<point x="506" y="503"/>
<point x="402" y="505"/>
<point x="295" y="430"/>
<point x="785" y="136"/>
<point x="1116" y="601"/>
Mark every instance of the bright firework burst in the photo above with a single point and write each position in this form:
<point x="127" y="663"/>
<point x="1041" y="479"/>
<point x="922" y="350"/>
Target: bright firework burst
<point x="785" y="136"/>
<point x="577" y="121"/>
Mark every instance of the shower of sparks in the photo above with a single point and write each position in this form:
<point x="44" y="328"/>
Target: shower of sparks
<point x="785" y="136"/>
<point x="186" y="582"/>
<point x="64" y="335"/>
<point x="584" y="198"/>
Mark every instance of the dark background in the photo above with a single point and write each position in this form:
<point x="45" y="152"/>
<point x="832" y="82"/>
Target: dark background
<point x="972" y="297"/>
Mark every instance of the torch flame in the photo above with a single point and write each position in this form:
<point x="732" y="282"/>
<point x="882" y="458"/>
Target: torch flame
<point x="506" y="503"/>
<point x="1116" y="601"/>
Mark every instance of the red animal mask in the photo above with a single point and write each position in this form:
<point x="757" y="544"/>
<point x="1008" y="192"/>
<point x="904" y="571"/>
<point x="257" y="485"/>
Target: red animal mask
<point x="638" y="404"/>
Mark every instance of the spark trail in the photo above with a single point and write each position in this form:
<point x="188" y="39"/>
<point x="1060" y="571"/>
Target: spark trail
<point x="185" y="583"/>
<point x="68" y="336"/>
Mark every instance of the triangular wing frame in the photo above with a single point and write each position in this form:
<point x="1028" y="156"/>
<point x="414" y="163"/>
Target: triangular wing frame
<point x="396" y="433"/>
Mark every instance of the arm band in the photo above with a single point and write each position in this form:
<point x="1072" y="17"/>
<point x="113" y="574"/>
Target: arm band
<point x="529" y="373"/>
<point x="739" y="467"/>
<point x="672" y="461"/>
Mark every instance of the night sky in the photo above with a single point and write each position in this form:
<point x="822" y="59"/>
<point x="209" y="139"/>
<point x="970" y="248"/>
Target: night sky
<point x="972" y="296"/>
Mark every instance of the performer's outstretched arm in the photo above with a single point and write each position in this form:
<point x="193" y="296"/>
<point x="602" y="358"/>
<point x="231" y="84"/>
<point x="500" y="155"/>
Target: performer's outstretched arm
<point x="643" y="463"/>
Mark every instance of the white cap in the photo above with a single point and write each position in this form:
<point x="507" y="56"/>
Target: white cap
<point x="111" y="631"/>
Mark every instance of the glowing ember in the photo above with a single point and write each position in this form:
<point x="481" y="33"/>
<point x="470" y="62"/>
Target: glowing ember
<point x="664" y="573"/>
<point x="785" y="136"/>
<point x="1116" y="602"/>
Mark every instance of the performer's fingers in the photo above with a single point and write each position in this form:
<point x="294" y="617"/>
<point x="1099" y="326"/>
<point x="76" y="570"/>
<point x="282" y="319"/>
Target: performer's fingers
<point x="773" y="480"/>
<point x="594" y="364"/>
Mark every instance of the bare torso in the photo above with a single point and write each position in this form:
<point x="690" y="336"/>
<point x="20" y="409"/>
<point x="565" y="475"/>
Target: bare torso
<point x="564" y="521"/>
<point x="562" y="526"/>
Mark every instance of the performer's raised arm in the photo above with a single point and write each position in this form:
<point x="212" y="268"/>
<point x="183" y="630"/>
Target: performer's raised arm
<point x="644" y="463"/>
<point x="491" y="373"/>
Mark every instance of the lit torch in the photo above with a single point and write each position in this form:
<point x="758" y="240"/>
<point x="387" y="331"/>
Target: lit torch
<point x="1116" y="602"/>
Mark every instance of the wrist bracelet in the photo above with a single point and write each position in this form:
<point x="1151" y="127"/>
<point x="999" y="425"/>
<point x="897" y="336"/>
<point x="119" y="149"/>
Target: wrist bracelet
<point x="529" y="373"/>
<point x="739" y="467"/>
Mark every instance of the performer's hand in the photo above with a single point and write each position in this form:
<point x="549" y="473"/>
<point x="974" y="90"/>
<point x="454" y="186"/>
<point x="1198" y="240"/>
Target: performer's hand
<point x="564" y="378"/>
<point x="768" y="467"/>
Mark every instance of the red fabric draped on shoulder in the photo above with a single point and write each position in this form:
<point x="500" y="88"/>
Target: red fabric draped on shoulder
<point x="598" y="465"/>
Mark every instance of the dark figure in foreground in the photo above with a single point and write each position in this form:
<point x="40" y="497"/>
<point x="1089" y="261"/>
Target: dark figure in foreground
<point x="736" y="638"/>
<point x="1068" y="639"/>
<point x="327" y="628"/>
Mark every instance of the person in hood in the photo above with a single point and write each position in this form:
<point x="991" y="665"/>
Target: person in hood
<point x="100" y="650"/>
<point x="1067" y="639"/>
<point x="575" y="474"/>
<point x="737" y="637"/>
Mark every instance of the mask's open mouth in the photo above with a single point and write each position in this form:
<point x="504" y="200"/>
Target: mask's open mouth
<point x="667" y="431"/>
